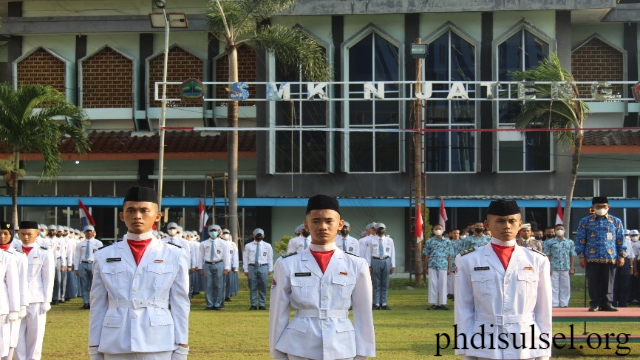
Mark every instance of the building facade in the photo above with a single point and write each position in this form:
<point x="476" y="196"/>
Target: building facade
<point x="107" y="58"/>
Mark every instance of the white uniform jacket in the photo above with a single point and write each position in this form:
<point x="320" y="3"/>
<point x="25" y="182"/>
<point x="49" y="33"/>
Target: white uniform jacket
<point x="70" y="251"/>
<point x="364" y="244"/>
<point x="388" y="250"/>
<point x="10" y="292"/>
<point x="321" y="328"/>
<point x="23" y="267"/>
<point x="265" y="256"/>
<point x="40" y="273"/>
<point x="184" y="245"/>
<point x="220" y="252"/>
<point x="130" y="304"/>
<point x="513" y="301"/>
<point x="81" y="251"/>
<point x="233" y="253"/>
<point x="194" y="248"/>
<point x="352" y="244"/>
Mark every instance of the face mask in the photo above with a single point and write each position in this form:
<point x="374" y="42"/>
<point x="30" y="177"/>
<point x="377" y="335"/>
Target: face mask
<point x="479" y="230"/>
<point x="634" y="238"/>
<point x="437" y="232"/>
<point x="213" y="234"/>
<point x="305" y="233"/>
<point x="172" y="232"/>
<point x="58" y="235"/>
<point x="601" y="212"/>
<point x="463" y="237"/>
<point x="381" y="231"/>
<point x="259" y="237"/>
<point x="549" y="236"/>
<point x="344" y="232"/>
<point x="226" y="236"/>
<point x="538" y="237"/>
<point x="42" y="233"/>
<point x="560" y="232"/>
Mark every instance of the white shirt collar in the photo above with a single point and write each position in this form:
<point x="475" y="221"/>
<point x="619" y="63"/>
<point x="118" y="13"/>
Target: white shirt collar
<point x="136" y="237"/>
<point x="503" y="243"/>
<point x="326" y="247"/>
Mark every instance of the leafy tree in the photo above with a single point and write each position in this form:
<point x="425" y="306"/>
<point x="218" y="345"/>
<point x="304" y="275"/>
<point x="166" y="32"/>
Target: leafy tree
<point x="560" y="112"/>
<point x="281" y="246"/>
<point x="239" y="22"/>
<point x="29" y="123"/>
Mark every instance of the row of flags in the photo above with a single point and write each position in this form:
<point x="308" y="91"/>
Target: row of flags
<point x="442" y="218"/>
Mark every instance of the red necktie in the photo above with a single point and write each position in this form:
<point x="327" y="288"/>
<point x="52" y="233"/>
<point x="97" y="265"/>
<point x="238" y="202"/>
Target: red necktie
<point x="27" y="250"/>
<point x="138" y="248"/>
<point x="5" y="247"/>
<point x="322" y="258"/>
<point x="504" y="253"/>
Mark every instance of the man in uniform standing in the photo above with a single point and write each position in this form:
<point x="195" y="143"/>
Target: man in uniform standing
<point x="231" y="279"/>
<point x="346" y="242"/>
<point x="214" y="264"/>
<point x="437" y="262"/>
<point x="600" y="247"/>
<point x="41" y="268"/>
<point x="503" y="288"/>
<point x="6" y="236"/>
<point x="320" y="284"/>
<point x="300" y="242"/>
<point x="257" y="263"/>
<point x="381" y="256"/>
<point x="560" y="252"/>
<point x="455" y="248"/>
<point x="83" y="262"/>
<point x="134" y="282"/>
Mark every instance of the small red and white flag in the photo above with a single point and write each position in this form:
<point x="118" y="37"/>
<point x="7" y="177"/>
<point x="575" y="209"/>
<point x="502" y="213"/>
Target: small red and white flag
<point x="419" y="227"/>
<point x="204" y="217"/>
<point x="559" y="214"/>
<point x="442" y="219"/>
<point x="85" y="215"/>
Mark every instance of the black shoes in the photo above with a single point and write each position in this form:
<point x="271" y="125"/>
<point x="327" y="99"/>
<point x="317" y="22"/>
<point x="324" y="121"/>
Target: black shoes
<point x="376" y="307"/>
<point x="209" y="308"/>
<point x="385" y="307"/>
<point x="609" y="307"/>
<point x="86" y="306"/>
<point x="262" y="308"/>
<point x="253" y="307"/>
<point x="443" y="307"/>
<point x="437" y="307"/>
<point x="594" y="308"/>
<point x="227" y="299"/>
<point x="433" y="307"/>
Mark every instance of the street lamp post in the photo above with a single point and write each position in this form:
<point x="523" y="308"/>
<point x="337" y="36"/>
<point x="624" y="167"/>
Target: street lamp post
<point x="178" y="20"/>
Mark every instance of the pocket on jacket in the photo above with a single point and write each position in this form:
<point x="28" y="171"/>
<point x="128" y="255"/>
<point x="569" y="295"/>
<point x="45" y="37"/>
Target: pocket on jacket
<point x="160" y="320"/>
<point x="302" y="288"/>
<point x="528" y="282"/>
<point x="112" y="321"/>
<point x="115" y="275"/>
<point x="161" y="274"/>
<point x="344" y="325"/>
<point x="298" y="325"/>
<point x="344" y="285"/>
<point x="483" y="283"/>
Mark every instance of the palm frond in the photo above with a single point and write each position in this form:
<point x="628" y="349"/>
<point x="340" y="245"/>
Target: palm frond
<point x="294" y="48"/>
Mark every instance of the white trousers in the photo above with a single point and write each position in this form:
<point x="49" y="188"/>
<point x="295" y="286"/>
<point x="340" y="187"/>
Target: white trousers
<point x="5" y="339"/>
<point x="31" y="334"/>
<point x="560" y="288"/>
<point x="162" y="355"/>
<point x="437" y="287"/>
<point x="451" y="278"/>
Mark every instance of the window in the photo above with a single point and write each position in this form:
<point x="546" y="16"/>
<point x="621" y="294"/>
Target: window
<point x="373" y="58"/>
<point x="609" y="187"/>
<point x="450" y="58"/>
<point x="298" y="150"/>
<point x="73" y="188"/>
<point x="530" y="151"/>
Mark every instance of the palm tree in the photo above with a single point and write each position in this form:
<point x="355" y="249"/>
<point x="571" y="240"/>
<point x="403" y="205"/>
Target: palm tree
<point x="246" y="22"/>
<point x="28" y="124"/>
<point x="557" y="113"/>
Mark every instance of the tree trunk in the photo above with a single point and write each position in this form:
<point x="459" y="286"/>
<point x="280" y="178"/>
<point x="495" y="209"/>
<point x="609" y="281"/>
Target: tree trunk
<point x="575" y="162"/>
<point x="232" y="146"/>
<point x="14" y="188"/>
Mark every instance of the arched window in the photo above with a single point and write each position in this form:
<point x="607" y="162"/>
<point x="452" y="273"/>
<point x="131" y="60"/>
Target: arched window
<point x="452" y="57"/>
<point x="372" y="56"/>
<point x="518" y="152"/>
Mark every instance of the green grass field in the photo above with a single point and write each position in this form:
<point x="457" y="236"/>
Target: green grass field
<point x="407" y="332"/>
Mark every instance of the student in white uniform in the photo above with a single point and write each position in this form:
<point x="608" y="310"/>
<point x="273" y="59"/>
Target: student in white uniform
<point x="257" y="263"/>
<point x="40" y="275"/>
<point x="6" y="235"/>
<point x="9" y="289"/>
<point x="503" y="288"/>
<point x="320" y="284"/>
<point x="214" y="264"/>
<point x="83" y="262"/>
<point x="347" y="243"/>
<point x="300" y="242"/>
<point x="134" y="282"/>
<point x="231" y="280"/>
<point x="381" y="256"/>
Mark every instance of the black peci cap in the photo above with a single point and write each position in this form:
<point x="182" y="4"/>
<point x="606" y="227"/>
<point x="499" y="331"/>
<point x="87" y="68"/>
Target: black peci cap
<point x="6" y="225"/>
<point x="503" y="208"/>
<point x="28" y="225"/>
<point x="323" y="202"/>
<point x="141" y="194"/>
<point x="599" y="200"/>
